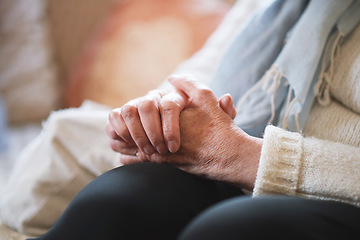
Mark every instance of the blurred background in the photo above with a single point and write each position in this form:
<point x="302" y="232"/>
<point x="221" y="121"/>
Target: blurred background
<point x="58" y="53"/>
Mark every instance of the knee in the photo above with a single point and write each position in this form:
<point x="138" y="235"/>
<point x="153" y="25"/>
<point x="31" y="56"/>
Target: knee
<point x="124" y="198"/>
<point x="145" y="195"/>
<point x="247" y="218"/>
<point x="146" y="186"/>
<point x="126" y="185"/>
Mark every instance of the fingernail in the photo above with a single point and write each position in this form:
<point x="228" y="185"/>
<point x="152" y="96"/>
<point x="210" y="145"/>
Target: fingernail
<point x="226" y="101"/>
<point x="148" y="150"/>
<point x="161" y="148"/>
<point x="172" y="146"/>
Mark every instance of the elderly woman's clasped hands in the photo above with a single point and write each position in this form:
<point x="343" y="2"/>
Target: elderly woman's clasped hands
<point x="189" y="128"/>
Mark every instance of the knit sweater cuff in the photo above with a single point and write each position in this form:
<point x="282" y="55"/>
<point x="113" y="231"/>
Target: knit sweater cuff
<point x="280" y="161"/>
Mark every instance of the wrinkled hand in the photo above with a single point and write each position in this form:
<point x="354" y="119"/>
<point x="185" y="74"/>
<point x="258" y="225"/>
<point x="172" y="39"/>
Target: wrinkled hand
<point x="211" y="144"/>
<point x="151" y="123"/>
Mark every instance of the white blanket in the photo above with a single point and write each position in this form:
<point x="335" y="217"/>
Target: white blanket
<point x="70" y="152"/>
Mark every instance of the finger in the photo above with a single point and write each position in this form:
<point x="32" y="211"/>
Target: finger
<point x="123" y="147"/>
<point x="151" y="122"/>
<point x="132" y="121"/>
<point x="170" y="107"/>
<point x="189" y="86"/>
<point x="227" y="104"/>
<point x="118" y="125"/>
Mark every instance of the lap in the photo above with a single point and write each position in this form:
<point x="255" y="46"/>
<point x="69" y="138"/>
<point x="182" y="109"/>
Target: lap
<point x="138" y="201"/>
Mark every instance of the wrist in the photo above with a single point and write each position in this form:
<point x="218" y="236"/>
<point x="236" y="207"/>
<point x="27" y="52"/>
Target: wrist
<point x="246" y="160"/>
<point x="250" y="161"/>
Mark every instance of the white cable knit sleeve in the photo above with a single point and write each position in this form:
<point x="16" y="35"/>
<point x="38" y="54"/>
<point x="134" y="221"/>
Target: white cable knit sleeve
<point x="307" y="167"/>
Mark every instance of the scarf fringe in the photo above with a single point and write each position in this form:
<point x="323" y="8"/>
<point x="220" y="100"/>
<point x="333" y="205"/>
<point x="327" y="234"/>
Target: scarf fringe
<point x="270" y="83"/>
<point x="322" y="87"/>
<point x="272" y="74"/>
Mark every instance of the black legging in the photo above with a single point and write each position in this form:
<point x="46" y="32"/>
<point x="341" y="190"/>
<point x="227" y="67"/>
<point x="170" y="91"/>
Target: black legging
<point x="157" y="201"/>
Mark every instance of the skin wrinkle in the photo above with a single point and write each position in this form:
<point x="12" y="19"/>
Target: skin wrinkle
<point x="218" y="167"/>
<point x="215" y="166"/>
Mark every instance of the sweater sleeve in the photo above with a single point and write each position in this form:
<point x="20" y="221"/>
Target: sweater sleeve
<point x="308" y="167"/>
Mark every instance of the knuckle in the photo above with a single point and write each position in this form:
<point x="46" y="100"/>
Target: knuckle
<point x="146" y="106"/>
<point x="168" y="131"/>
<point x="114" y="114"/>
<point x="168" y="106"/>
<point x="128" y="111"/>
<point x="205" y="93"/>
<point x="169" y="134"/>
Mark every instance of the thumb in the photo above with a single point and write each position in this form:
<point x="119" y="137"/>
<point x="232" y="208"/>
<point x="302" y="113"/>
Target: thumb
<point x="186" y="84"/>
<point x="227" y="104"/>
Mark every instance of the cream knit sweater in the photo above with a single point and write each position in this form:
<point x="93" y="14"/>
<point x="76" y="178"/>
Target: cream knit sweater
<point x="324" y="161"/>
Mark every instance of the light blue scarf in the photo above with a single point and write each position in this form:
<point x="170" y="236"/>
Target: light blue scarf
<point x="256" y="47"/>
<point x="285" y="93"/>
